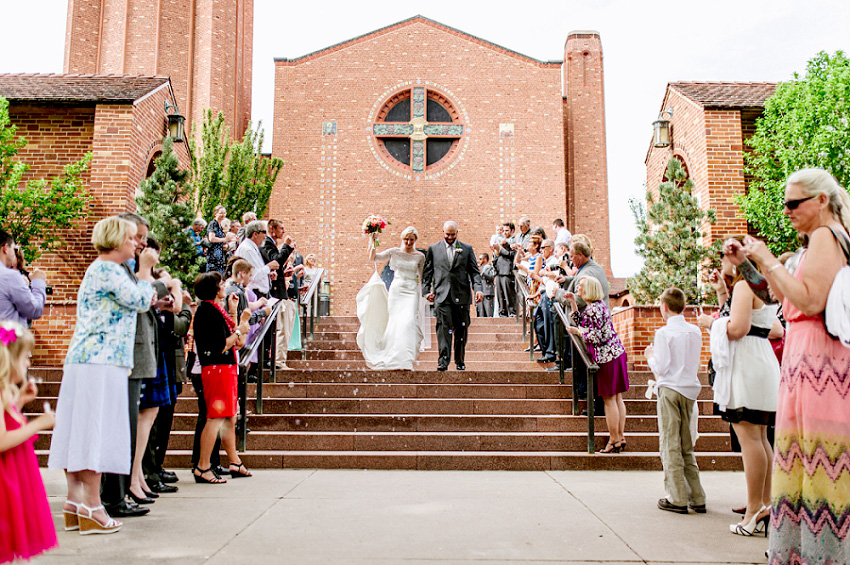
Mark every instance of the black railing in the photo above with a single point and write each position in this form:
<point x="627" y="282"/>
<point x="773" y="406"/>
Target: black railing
<point x="526" y="310"/>
<point x="310" y="312"/>
<point x="245" y="354"/>
<point x="579" y="347"/>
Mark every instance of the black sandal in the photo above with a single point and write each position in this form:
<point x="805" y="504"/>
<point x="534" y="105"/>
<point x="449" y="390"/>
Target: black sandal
<point x="238" y="473"/>
<point x="216" y="480"/>
<point x="609" y="448"/>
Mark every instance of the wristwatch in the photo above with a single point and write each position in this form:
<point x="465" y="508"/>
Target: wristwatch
<point x="238" y="333"/>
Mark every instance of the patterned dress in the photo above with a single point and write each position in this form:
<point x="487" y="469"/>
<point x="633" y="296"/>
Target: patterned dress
<point x="810" y="514"/>
<point x="605" y="348"/>
<point x="216" y="260"/>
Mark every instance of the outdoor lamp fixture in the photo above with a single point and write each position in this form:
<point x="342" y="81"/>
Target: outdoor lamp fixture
<point x="174" y="122"/>
<point x="326" y="286"/>
<point x="661" y="135"/>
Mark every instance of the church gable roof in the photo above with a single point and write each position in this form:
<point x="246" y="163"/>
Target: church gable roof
<point x="726" y="94"/>
<point x="418" y="19"/>
<point x="78" y="88"/>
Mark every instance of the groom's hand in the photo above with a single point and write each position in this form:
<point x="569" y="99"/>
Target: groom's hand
<point x="479" y="296"/>
<point x="430" y="297"/>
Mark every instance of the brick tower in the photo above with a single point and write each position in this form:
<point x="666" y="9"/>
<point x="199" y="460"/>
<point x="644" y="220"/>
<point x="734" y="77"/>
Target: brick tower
<point x="584" y="125"/>
<point x="205" y="46"/>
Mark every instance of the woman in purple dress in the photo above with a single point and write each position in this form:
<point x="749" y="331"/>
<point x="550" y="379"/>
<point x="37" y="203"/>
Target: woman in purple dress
<point x="595" y="326"/>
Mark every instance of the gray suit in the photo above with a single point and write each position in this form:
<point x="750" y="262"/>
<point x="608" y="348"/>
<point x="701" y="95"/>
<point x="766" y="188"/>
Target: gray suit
<point x="452" y="284"/>
<point x="484" y="308"/>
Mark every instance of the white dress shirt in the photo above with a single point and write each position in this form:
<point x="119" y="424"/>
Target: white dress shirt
<point x="249" y="251"/>
<point x="676" y="354"/>
<point x="563" y="236"/>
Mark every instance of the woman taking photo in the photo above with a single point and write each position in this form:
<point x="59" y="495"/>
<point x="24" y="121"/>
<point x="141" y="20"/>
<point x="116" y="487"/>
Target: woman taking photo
<point x="746" y="384"/>
<point x="92" y="432"/>
<point x="810" y="500"/>
<point x="595" y="326"/>
<point x="217" y="339"/>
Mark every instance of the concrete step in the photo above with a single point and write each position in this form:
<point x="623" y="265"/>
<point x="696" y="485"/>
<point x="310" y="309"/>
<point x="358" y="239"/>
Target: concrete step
<point x="323" y="334"/>
<point x="428" y="356"/>
<point x="423" y="365"/>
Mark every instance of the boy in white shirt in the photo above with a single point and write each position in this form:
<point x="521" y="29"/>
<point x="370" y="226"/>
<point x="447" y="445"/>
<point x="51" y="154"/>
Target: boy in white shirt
<point x="674" y="359"/>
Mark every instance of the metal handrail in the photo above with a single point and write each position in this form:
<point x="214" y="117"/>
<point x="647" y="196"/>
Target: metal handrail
<point x="522" y="294"/>
<point x="578" y="346"/>
<point x="310" y="306"/>
<point x="245" y="355"/>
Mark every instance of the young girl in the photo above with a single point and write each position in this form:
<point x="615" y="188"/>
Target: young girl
<point x="26" y="526"/>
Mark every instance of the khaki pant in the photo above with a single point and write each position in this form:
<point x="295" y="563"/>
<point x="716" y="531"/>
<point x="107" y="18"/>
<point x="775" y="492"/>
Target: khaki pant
<point x="681" y="474"/>
<point x="285" y="322"/>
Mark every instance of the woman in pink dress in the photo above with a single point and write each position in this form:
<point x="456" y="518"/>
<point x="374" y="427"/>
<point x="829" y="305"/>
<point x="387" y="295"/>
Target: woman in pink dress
<point x="26" y="526"/>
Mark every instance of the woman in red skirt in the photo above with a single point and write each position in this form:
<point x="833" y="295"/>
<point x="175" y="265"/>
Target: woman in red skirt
<point x="217" y="339"/>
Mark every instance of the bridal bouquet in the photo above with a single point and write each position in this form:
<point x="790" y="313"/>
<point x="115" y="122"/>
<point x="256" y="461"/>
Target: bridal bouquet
<point x="374" y="224"/>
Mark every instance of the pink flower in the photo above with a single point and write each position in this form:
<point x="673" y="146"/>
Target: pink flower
<point x="7" y="336"/>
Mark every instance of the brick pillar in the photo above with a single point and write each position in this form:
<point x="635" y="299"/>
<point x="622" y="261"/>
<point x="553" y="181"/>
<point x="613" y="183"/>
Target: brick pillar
<point x="587" y="166"/>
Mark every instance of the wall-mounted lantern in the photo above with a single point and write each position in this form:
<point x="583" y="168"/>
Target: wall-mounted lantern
<point x="661" y="130"/>
<point x="174" y="122"/>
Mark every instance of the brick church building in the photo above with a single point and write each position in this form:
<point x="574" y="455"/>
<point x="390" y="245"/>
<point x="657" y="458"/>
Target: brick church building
<point x="422" y="123"/>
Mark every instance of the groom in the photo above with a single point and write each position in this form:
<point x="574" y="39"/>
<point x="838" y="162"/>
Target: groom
<point x="449" y="275"/>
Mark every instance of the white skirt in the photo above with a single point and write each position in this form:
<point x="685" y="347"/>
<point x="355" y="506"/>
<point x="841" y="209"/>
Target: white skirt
<point x="92" y="429"/>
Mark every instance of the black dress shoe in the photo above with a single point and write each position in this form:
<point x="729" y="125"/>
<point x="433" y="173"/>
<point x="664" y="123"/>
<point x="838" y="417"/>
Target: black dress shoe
<point x="168" y="476"/>
<point x="124" y="510"/>
<point x="461" y="367"/>
<point x="219" y="470"/>
<point x="151" y="494"/>
<point x="441" y="368"/>
<point x="546" y="359"/>
<point x="160" y="486"/>
<point x="665" y="504"/>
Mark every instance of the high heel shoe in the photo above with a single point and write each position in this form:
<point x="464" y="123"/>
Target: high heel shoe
<point x="239" y="471"/>
<point x="90" y="525"/>
<point x="199" y="478"/>
<point x="609" y="448"/>
<point x="72" y="519"/>
<point x="749" y="529"/>
<point x="140" y="500"/>
<point x="620" y="445"/>
<point x="763" y="523"/>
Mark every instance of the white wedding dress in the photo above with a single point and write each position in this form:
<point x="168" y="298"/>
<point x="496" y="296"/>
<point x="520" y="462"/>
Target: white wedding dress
<point x="391" y="332"/>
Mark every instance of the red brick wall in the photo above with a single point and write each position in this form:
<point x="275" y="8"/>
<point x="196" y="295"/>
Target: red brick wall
<point x="724" y="149"/>
<point x="121" y="138"/>
<point x="330" y="183"/>
<point x="636" y="327"/>
<point x="206" y="52"/>
<point x="584" y="131"/>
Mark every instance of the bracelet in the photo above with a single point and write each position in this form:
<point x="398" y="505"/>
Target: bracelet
<point x="773" y="268"/>
<point x="238" y="333"/>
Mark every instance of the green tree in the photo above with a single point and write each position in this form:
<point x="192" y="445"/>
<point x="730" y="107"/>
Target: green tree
<point x="36" y="212"/>
<point x="806" y="123"/>
<point x="233" y="174"/>
<point x="166" y="202"/>
<point x="670" y="240"/>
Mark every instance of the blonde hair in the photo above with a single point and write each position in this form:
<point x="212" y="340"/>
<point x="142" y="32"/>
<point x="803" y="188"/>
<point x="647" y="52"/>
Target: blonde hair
<point x="10" y="354"/>
<point x="592" y="289"/>
<point x="410" y="230"/>
<point x="217" y="208"/>
<point x="815" y="182"/>
<point x="111" y="233"/>
<point x="310" y="260"/>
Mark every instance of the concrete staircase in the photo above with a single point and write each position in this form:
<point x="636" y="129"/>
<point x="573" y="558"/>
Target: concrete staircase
<point x="504" y="412"/>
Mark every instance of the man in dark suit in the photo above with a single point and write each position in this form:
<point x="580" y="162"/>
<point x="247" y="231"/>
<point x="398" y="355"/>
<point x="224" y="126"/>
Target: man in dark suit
<point x="449" y="276"/>
<point x="503" y="261"/>
<point x="484" y="309"/>
<point x="278" y="246"/>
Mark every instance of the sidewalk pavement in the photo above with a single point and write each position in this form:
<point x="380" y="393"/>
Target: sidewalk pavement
<point x="419" y="517"/>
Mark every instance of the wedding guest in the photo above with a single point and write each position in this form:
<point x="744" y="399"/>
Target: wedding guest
<point x="674" y="359"/>
<point x="746" y="386"/>
<point x="19" y="301"/>
<point x="92" y="433"/>
<point x="562" y="234"/>
<point x="218" y="237"/>
<point x="278" y="246"/>
<point x="247" y="218"/>
<point x="813" y="411"/>
<point x="217" y="339"/>
<point x="255" y="234"/>
<point x="594" y="324"/>
<point x="504" y="264"/>
<point x="27" y="525"/>
<point x="484" y="309"/>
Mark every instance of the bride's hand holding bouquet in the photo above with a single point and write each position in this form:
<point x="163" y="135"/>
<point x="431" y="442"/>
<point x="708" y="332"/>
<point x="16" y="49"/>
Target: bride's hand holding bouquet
<point x="372" y="226"/>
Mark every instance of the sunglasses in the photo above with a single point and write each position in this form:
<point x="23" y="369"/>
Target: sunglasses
<point x="794" y="204"/>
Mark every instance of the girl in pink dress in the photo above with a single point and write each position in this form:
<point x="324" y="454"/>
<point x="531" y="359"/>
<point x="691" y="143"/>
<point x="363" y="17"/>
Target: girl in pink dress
<point x="26" y="526"/>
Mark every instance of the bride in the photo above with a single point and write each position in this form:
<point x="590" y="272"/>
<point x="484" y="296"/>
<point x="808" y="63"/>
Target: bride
<point x="390" y="332"/>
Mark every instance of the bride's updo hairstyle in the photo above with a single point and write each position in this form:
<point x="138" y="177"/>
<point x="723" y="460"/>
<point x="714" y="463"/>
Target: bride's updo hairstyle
<point x="410" y="230"/>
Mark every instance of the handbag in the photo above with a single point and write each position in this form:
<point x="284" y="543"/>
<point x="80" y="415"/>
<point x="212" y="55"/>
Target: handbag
<point x="836" y="315"/>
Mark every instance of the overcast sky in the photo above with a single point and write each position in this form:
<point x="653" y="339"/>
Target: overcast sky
<point x="646" y="45"/>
